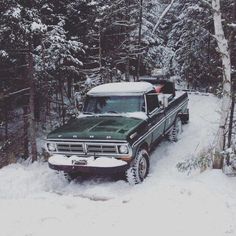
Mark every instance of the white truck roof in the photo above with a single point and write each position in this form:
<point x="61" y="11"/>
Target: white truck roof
<point x="121" y="88"/>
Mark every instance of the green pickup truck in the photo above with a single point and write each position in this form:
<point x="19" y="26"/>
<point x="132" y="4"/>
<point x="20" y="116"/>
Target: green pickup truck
<point x="116" y="129"/>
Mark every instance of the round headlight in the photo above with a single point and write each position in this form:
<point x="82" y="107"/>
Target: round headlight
<point x="123" y="149"/>
<point x="52" y="147"/>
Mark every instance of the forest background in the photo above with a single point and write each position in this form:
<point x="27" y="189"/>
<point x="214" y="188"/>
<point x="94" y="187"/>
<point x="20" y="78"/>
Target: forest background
<point x="53" y="51"/>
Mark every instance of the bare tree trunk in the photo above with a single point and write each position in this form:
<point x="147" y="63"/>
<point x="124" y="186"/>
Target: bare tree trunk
<point x="103" y="79"/>
<point x="32" y="128"/>
<point x="127" y="68"/>
<point x="226" y="63"/>
<point x="6" y="117"/>
<point x="47" y="110"/>
<point x="58" y="106"/>
<point x="127" y="64"/>
<point x="139" y="37"/>
<point x="99" y="45"/>
<point x="25" y="132"/>
<point x="69" y="87"/>
<point x="61" y="84"/>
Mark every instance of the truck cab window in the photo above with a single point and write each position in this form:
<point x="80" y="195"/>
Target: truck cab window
<point x="113" y="104"/>
<point x="152" y="101"/>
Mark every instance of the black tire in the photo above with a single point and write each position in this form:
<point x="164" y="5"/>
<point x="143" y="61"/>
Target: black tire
<point x="139" y="168"/>
<point x="176" y="130"/>
<point x="69" y="177"/>
<point x="185" y="117"/>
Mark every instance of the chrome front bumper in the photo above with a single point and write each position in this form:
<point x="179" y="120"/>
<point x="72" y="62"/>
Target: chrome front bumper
<point x="76" y="164"/>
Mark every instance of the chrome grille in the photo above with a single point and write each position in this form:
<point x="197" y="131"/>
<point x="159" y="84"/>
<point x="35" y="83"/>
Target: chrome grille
<point x="68" y="147"/>
<point x="97" y="148"/>
<point x="85" y="148"/>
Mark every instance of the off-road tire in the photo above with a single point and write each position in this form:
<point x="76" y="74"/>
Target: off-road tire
<point x="139" y="168"/>
<point x="185" y="117"/>
<point x="70" y="177"/>
<point x="176" y="130"/>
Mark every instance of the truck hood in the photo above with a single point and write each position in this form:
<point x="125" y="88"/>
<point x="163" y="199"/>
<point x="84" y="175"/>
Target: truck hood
<point x="97" y="127"/>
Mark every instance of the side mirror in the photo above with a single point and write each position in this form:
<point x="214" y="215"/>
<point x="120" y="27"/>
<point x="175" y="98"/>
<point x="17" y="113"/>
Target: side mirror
<point x="80" y="106"/>
<point x="165" y="101"/>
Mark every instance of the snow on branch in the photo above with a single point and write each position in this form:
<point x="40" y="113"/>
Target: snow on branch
<point x="207" y="2"/>
<point x="163" y="15"/>
<point x="124" y="23"/>
<point x="232" y="25"/>
<point x="16" y="92"/>
<point x="38" y="27"/>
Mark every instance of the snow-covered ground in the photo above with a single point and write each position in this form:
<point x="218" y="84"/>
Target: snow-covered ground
<point x="34" y="201"/>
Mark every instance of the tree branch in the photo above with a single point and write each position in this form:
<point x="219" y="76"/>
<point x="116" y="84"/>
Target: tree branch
<point x="163" y="15"/>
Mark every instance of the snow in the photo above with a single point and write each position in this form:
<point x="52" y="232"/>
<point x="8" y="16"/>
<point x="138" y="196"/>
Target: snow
<point x="121" y="88"/>
<point x="36" y="201"/>
<point x="3" y="53"/>
<point x="163" y="15"/>
<point x="139" y="115"/>
<point x="15" y="12"/>
<point x="232" y="25"/>
<point x="35" y="26"/>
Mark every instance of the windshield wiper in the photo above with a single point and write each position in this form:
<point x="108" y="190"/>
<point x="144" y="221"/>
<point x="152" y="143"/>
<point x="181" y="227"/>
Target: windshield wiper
<point x="115" y="112"/>
<point x="89" y="113"/>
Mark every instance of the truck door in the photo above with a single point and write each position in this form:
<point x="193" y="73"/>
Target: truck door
<point x="156" y="115"/>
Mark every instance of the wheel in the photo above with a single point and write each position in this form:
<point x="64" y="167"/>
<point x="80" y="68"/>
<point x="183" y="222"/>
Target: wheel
<point x="69" y="177"/>
<point x="139" y="168"/>
<point x="185" y="117"/>
<point x="176" y="130"/>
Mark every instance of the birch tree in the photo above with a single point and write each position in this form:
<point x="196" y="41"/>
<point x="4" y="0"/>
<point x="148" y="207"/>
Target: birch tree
<point x="223" y="48"/>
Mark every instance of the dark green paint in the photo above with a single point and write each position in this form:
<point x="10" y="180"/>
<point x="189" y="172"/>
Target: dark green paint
<point x="99" y="127"/>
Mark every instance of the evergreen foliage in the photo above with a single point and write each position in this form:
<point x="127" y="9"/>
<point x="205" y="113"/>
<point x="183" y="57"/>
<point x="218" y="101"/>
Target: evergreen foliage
<point x="79" y="43"/>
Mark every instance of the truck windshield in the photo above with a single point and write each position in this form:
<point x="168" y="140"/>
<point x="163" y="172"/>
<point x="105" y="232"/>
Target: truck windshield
<point x="114" y="104"/>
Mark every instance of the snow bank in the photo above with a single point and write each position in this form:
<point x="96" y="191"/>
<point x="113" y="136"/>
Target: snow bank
<point x="21" y="180"/>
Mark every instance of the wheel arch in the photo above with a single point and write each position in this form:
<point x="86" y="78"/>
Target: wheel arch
<point x="145" y="146"/>
<point x="180" y="115"/>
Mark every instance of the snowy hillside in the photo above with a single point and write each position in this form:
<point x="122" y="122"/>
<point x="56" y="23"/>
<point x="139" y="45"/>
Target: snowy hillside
<point x="34" y="201"/>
